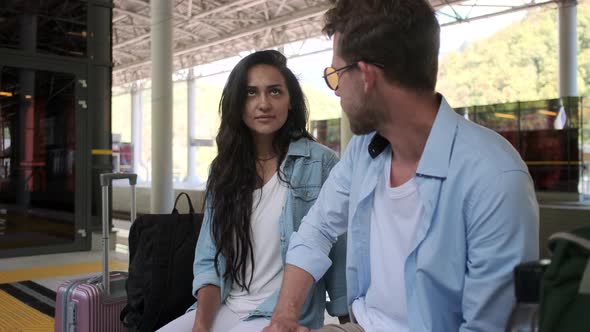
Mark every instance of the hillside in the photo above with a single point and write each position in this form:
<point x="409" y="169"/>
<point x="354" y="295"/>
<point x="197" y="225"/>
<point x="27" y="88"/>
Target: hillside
<point x="518" y="63"/>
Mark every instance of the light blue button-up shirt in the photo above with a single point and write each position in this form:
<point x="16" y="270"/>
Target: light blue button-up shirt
<point x="481" y="219"/>
<point x="306" y="167"/>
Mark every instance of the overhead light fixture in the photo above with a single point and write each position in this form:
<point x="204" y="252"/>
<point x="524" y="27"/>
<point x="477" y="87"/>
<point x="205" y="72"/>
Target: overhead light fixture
<point x="505" y="116"/>
<point x="81" y="34"/>
<point x="546" y="112"/>
<point x="28" y="96"/>
<point x="6" y="94"/>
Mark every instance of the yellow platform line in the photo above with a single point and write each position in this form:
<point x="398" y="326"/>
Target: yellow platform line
<point x="17" y="316"/>
<point x="102" y="152"/>
<point x="57" y="271"/>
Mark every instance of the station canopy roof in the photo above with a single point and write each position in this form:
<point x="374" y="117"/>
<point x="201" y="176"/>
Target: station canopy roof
<point x="209" y="30"/>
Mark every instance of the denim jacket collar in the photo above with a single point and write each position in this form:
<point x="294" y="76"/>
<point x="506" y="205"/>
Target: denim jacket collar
<point x="299" y="148"/>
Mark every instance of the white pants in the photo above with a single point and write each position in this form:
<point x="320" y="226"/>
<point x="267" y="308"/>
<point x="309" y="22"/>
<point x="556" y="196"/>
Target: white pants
<point x="225" y="321"/>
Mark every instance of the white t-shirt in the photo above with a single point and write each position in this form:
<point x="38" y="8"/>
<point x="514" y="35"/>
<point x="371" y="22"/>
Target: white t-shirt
<point x="267" y="206"/>
<point x="395" y="215"/>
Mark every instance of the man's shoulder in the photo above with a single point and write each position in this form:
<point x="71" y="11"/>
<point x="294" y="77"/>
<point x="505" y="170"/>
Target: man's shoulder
<point x="490" y="150"/>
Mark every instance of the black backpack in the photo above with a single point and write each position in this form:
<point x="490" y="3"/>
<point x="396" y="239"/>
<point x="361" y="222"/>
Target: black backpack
<point x="161" y="254"/>
<point x="565" y="296"/>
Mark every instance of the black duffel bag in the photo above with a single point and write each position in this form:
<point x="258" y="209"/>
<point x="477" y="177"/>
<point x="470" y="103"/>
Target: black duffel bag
<point x="161" y="254"/>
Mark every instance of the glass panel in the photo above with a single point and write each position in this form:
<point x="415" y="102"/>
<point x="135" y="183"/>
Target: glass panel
<point x="539" y="115"/>
<point x="37" y="124"/>
<point x="551" y="156"/>
<point x="497" y="117"/>
<point x="549" y="137"/>
<point x="585" y="150"/>
<point x="501" y="118"/>
<point x="545" y="133"/>
<point x="54" y="27"/>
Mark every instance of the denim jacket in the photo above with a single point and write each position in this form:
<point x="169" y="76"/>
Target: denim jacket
<point x="306" y="167"/>
<point x="480" y="220"/>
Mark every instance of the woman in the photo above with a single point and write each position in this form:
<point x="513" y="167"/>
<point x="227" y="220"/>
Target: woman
<point x="267" y="175"/>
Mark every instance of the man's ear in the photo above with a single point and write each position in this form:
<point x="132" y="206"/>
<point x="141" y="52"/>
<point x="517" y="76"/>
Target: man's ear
<point x="368" y="74"/>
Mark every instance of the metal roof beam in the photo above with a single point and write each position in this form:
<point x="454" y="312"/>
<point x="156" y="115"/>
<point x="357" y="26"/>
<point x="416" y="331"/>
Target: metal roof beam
<point x="222" y="28"/>
<point x="237" y="5"/>
<point x="225" y="9"/>
<point x="298" y="16"/>
<point x="145" y="37"/>
<point x="129" y="55"/>
<point x="507" y="11"/>
<point x="281" y="6"/>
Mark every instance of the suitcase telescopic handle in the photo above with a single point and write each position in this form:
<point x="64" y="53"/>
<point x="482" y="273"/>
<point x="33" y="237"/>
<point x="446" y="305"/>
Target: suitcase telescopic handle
<point x="106" y="181"/>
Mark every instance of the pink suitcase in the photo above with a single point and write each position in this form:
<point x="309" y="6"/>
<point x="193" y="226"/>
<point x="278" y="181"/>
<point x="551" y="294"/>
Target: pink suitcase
<point x="94" y="304"/>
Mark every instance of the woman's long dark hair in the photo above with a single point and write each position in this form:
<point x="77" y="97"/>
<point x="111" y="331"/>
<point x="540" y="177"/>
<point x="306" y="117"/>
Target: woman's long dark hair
<point x="233" y="176"/>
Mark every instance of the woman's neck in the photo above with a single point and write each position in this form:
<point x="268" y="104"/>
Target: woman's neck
<point x="266" y="157"/>
<point x="263" y="147"/>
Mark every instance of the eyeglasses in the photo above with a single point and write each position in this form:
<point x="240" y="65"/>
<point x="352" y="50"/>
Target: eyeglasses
<point x="332" y="80"/>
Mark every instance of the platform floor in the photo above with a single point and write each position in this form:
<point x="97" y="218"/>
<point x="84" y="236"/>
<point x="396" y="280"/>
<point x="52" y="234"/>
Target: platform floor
<point x="28" y="284"/>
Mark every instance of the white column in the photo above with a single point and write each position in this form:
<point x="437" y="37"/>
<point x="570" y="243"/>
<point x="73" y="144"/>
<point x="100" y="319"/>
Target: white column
<point x="345" y="133"/>
<point x="192" y="148"/>
<point x="162" y="193"/>
<point x="568" y="49"/>
<point x="136" y="126"/>
<point x="568" y="52"/>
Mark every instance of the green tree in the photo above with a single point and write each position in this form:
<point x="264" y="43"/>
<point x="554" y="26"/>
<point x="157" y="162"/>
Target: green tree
<point x="518" y="63"/>
<point x="321" y="106"/>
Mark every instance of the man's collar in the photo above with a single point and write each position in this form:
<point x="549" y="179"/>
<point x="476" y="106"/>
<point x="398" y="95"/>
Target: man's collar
<point x="377" y="145"/>
<point x="439" y="145"/>
<point x="436" y="156"/>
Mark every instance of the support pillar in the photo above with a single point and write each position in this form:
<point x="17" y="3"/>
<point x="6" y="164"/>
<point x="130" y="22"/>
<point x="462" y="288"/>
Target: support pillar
<point x="99" y="101"/>
<point x="568" y="61"/>
<point x="192" y="148"/>
<point x="162" y="190"/>
<point x="568" y="48"/>
<point x="27" y="114"/>
<point x="136" y="126"/>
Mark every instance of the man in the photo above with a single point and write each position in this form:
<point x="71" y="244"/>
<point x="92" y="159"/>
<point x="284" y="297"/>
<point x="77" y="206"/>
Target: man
<point x="438" y="209"/>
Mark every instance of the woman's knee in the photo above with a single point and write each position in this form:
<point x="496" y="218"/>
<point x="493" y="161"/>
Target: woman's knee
<point x="180" y="324"/>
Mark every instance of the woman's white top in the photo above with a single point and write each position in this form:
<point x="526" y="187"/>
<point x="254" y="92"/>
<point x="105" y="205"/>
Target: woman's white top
<point x="268" y="203"/>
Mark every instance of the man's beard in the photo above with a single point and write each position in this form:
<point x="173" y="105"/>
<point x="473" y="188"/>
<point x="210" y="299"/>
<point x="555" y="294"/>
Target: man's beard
<point x="363" y="121"/>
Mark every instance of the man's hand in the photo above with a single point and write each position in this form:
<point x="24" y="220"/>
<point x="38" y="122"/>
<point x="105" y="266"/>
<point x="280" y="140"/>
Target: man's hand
<point x="296" y="285"/>
<point x="284" y="325"/>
